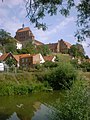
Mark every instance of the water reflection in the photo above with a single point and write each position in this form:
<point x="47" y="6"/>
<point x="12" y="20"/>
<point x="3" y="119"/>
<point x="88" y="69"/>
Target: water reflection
<point x="42" y="113"/>
<point x="13" y="117"/>
<point x="30" y="107"/>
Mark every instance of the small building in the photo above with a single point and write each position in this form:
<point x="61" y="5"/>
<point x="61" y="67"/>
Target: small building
<point x="4" y="58"/>
<point x="15" y="58"/>
<point x="30" y="61"/>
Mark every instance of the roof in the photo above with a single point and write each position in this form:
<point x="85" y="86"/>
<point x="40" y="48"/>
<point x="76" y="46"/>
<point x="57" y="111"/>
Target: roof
<point x="48" y="58"/>
<point x="28" y="55"/>
<point x="17" y="57"/>
<point x="4" y="56"/>
<point x="23" y="29"/>
<point x="38" y="42"/>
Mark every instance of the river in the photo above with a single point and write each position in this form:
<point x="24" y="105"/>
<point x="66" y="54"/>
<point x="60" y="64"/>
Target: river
<point x="31" y="107"/>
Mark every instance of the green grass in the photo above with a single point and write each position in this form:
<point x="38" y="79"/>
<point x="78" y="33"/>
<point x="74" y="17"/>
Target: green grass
<point x="63" y="57"/>
<point x="20" y="84"/>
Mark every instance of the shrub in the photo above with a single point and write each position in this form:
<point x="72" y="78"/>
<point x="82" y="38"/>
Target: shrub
<point x="75" y="105"/>
<point x="61" y="76"/>
<point x="49" y="64"/>
<point x="85" y="66"/>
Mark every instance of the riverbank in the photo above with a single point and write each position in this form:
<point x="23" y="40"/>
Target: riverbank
<point x="20" y="84"/>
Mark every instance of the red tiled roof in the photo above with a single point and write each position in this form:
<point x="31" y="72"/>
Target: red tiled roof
<point x="23" y="29"/>
<point x="4" y="56"/>
<point x="48" y="58"/>
<point x="17" y="57"/>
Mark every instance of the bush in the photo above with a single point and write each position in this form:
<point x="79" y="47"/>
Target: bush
<point x="85" y="66"/>
<point x="61" y="76"/>
<point x="75" y="105"/>
<point x="75" y="63"/>
<point x="49" y="64"/>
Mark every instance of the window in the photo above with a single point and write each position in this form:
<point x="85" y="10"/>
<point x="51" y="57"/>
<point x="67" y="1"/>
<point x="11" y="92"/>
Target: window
<point x="22" y="60"/>
<point x="26" y="59"/>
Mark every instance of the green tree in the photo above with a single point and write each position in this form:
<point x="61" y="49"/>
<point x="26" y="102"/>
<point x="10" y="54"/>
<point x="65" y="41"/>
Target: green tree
<point x="77" y="50"/>
<point x="10" y="62"/>
<point x="43" y="49"/>
<point x="5" y="39"/>
<point x="29" y="47"/>
<point x="10" y="47"/>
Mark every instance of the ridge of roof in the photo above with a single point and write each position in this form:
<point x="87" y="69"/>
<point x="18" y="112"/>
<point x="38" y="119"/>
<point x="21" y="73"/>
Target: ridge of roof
<point x="23" y="29"/>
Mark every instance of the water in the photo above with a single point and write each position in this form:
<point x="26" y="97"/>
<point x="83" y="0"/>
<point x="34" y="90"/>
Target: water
<point x="31" y="107"/>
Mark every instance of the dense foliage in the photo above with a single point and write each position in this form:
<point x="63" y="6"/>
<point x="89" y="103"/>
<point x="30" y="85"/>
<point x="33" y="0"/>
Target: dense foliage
<point x="7" y="42"/>
<point x="60" y="77"/>
<point x="77" y="51"/>
<point x="85" y="66"/>
<point x="75" y="105"/>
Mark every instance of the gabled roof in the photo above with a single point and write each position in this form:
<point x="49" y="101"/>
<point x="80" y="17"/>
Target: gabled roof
<point x="4" y="56"/>
<point x="17" y="57"/>
<point x="48" y="58"/>
<point x="23" y="29"/>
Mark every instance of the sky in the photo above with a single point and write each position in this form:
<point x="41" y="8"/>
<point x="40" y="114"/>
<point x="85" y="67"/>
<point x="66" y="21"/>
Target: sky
<point x="13" y="15"/>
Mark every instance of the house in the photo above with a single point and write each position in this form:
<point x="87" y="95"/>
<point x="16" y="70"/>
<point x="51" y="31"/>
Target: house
<point x="5" y="57"/>
<point x="15" y="58"/>
<point x="30" y="61"/>
<point x="60" y="47"/>
<point x="50" y="58"/>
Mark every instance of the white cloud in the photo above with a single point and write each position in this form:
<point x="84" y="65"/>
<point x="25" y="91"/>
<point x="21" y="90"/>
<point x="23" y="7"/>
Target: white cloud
<point x="45" y="36"/>
<point x="61" y="25"/>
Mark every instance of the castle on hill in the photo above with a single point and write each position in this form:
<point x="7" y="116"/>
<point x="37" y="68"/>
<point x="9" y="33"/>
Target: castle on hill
<point x="24" y="34"/>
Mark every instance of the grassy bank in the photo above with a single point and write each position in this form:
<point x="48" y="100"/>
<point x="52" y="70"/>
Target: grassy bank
<point x="20" y="83"/>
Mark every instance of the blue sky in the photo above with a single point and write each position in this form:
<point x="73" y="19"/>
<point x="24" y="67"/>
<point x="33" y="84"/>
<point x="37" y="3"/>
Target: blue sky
<point x="12" y="16"/>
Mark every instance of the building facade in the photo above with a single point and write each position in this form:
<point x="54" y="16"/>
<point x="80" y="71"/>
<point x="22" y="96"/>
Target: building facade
<point x="60" y="47"/>
<point x="24" y="35"/>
